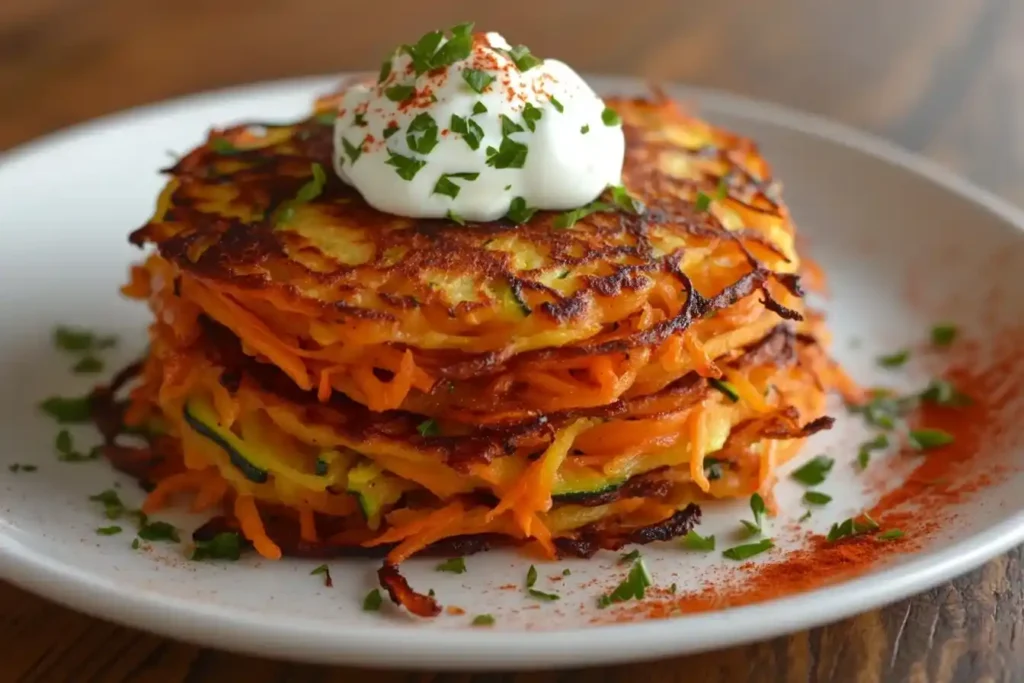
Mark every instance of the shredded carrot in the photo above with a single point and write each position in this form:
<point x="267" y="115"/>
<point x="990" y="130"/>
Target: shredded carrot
<point x="747" y="392"/>
<point x="176" y="483"/>
<point x="698" y="436"/>
<point x="211" y="492"/>
<point x="701" y="361"/>
<point x="252" y="527"/>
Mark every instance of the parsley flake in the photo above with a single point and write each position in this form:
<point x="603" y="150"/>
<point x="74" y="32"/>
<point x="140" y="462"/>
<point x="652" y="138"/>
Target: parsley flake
<point x="88" y="365"/>
<point x="390" y="130"/>
<point x="483" y="620"/>
<point x="455" y="218"/>
<point x="108" y="530"/>
<point x="622" y="199"/>
<point x="352" y="151"/>
<point x="326" y="571"/>
<point x="510" y="154"/>
<point x="585" y="128"/>
<point x="405" y="167"/>
<point x="373" y="601"/>
<point x="814" y="471"/>
<point x="385" y="70"/>
<point x="927" y="439"/>
<point x="113" y="508"/>
<point x="158" y="531"/>
<point x="631" y="556"/>
<point x="694" y="541"/>
<point x="521" y="57"/>
<point x="703" y="202"/>
<point x="428" y="428"/>
<point x="570" y="218"/>
<point x="469" y="129"/>
<point x="455" y="565"/>
<point x="531" y="576"/>
<point x="446" y="187"/>
<point x="610" y="117"/>
<point x="226" y="545"/>
<point x="479" y="108"/>
<point x="743" y="552"/>
<point x="851" y="527"/>
<point x="476" y="79"/>
<point x="224" y="147"/>
<point x="817" y="498"/>
<point x="421" y="135"/>
<point x="894" y="360"/>
<point x="880" y="442"/>
<point x="307" y="193"/>
<point x="531" y="115"/>
<point x="944" y="334"/>
<point x="399" y="93"/>
<point x="557" y="105"/>
<point x="890" y="535"/>
<point x="942" y="393"/>
<point x="758" y="509"/>
<point x="359" y="120"/>
<point x="519" y="212"/>
<point x="67" y="410"/>
<point x="541" y="595"/>
<point x="634" y="586"/>
<point x="508" y="126"/>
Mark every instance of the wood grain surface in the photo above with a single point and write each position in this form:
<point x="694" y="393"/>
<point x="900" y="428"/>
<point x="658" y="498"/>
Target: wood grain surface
<point x="942" y="77"/>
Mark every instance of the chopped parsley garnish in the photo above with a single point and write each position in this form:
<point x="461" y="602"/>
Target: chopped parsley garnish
<point x="944" y="334"/>
<point x="890" y="535"/>
<point x="428" y="428"/>
<point x="742" y="552"/>
<point x="67" y="410"/>
<point x="158" y="531"/>
<point x="519" y="212"/>
<point x="884" y="409"/>
<point x="226" y="545"/>
<point x="399" y="93"/>
<point x="373" y="601"/>
<point x="851" y="527"/>
<point x="943" y="393"/>
<point x="926" y="439"/>
<point x="476" y="79"/>
<point x="428" y="53"/>
<point x="510" y="154"/>
<point x="864" y="451"/>
<point x="894" y="360"/>
<point x="623" y="200"/>
<point x="135" y="544"/>
<point x="455" y="565"/>
<point x="353" y="152"/>
<point x="479" y="108"/>
<point x="703" y="202"/>
<point x="726" y="388"/>
<point x="359" y="120"/>
<point x="557" y="105"/>
<point x="469" y="129"/>
<point x="566" y="572"/>
<point x="390" y="130"/>
<point x="694" y="541"/>
<point x="108" y="530"/>
<point x="531" y="576"/>
<point x="630" y="556"/>
<point x="483" y="620"/>
<point x="307" y="193"/>
<point x="521" y="57"/>
<point x="88" y="365"/>
<point x="421" y="135"/>
<point x="817" y="498"/>
<point x="113" y="508"/>
<point x="758" y="509"/>
<point x="326" y="571"/>
<point x="610" y="117"/>
<point x="445" y="186"/>
<point x="585" y="128"/>
<point x="570" y="218"/>
<point x="455" y="218"/>
<point x="541" y="595"/>
<point x="66" y="449"/>
<point x="815" y="471"/>
<point x="634" y="586"/>
<point x="405" y="167"/>
<point x="224" y="146"/>
<point x="508" y="126"/>
<point x="806" y="516"/>
<point x="76" y="339"/>
<point x="385" y="70"/>
<point x="326" y="118"/>
<point x="722" y="191"/>
<point x="18" y="467"/>
<point x="531" y="115"/>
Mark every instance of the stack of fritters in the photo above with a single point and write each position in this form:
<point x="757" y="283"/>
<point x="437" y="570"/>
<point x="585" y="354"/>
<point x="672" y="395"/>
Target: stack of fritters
<point x="344" y="380"/>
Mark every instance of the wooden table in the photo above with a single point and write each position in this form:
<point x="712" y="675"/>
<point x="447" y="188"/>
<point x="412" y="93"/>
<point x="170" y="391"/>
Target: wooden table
<point x="942" y="77"/>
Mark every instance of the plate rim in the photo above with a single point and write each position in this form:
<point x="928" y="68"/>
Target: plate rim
<point x="299" y="639"/>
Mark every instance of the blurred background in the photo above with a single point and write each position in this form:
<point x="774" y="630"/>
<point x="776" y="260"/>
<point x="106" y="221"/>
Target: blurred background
<point x="941" y="77"/>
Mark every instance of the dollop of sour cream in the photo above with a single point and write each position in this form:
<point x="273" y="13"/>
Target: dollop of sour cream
<point x="468" y="127"/>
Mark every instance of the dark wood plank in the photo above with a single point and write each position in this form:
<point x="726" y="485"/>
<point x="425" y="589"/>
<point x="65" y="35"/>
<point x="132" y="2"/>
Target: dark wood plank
<point x="942" y="77"/>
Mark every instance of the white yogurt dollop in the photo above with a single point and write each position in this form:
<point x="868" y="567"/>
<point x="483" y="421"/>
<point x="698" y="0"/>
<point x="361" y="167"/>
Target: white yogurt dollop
<point x="535" y="135"/>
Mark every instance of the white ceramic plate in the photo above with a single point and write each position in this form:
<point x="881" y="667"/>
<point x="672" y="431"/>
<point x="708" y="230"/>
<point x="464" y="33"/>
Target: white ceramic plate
<point x="875" y="217"/>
